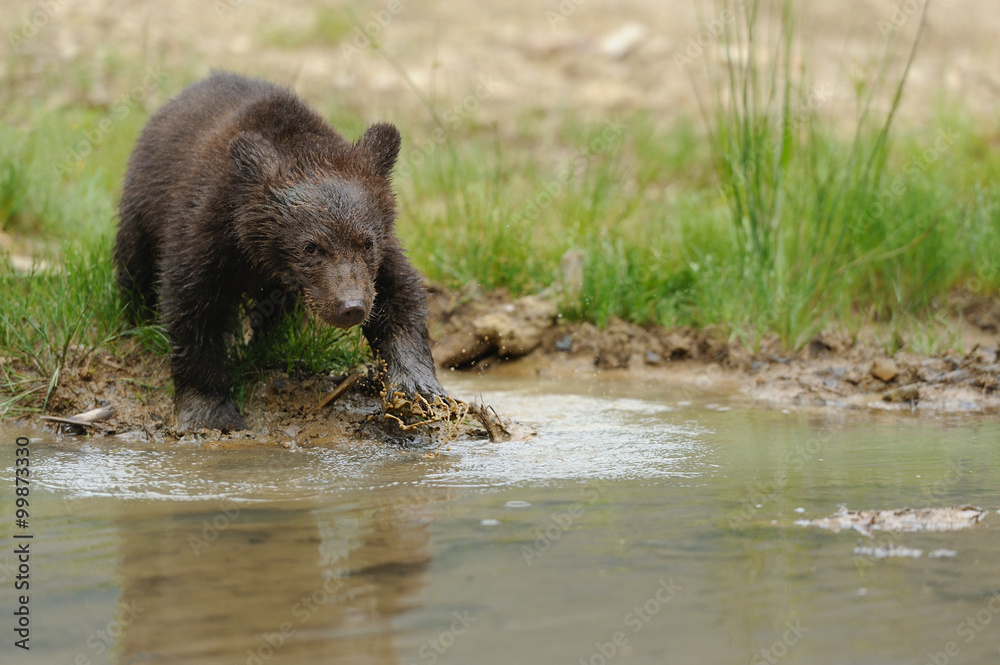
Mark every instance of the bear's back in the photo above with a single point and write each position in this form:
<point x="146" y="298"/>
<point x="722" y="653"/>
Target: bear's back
<point x="181" y="159"/>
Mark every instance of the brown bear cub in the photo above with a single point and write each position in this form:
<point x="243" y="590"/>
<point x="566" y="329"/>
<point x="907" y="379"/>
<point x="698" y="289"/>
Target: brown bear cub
<point x="236" y="188"/>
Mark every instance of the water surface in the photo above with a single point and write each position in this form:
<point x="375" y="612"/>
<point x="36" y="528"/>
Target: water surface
<point x="640" y="525"/>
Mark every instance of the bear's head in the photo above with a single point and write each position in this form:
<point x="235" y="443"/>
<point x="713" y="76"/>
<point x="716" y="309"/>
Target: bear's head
<point x="318" y="222"/>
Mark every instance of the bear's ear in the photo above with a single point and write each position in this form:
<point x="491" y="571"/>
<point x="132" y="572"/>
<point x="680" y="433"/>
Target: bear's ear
<point x="255" y="158"/>
<point x="380" y="147"/>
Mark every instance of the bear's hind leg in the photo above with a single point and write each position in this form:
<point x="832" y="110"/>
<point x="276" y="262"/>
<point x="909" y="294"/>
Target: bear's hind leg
<point x="136" y="265"/>
<point x="199" y="307"/>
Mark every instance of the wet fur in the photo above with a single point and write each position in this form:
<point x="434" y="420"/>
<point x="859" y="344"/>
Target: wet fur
<point x="230" y="186"/>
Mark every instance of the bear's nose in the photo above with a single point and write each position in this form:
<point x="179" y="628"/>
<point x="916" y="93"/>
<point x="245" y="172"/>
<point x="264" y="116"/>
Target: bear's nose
<point x="351" y="313"/>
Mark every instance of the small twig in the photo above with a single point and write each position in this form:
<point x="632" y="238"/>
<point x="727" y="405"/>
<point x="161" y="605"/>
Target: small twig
<point x="342" y="388"/>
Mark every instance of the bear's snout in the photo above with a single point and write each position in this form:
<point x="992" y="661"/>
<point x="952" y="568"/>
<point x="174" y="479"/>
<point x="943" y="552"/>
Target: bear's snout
<point x="350" y="313"/>
<point x="341" y="294"/>
<point x="341" y="313"/>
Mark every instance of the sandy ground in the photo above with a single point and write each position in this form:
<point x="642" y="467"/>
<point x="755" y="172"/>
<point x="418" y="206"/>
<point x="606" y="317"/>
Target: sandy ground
<point x="593" y="59"/>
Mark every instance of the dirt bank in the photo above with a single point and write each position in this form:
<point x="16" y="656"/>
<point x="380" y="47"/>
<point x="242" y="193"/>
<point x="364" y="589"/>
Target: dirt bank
<point x="833" y="370"/>
<point x="526" y="337"/>
<point x="292" y="411"/>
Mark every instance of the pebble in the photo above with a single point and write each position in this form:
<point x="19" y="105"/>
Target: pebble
<point x="884" y="369"/>
<point x="622" y="41"/>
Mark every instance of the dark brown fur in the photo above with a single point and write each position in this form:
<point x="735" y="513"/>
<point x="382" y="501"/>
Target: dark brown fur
<point x="237" y="188"/>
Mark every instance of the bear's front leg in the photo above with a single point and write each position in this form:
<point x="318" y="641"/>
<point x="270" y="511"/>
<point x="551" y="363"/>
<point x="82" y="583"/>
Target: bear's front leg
<point x="396" y="329"/>
<point x="198" y="311"/>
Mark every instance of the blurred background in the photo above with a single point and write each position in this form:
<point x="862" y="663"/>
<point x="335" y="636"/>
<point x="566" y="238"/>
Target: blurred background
<point x="586" y="57"/>
<point x="754" y="165"/>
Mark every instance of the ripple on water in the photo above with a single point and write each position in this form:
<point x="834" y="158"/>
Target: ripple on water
<point x="578" y="437"/>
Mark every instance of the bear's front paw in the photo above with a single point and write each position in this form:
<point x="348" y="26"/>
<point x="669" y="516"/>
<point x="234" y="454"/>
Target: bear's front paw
<point x="196" y="411"/>
<point x="420" y="382"/>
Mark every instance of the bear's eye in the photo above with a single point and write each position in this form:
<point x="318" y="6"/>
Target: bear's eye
<point x="310" y="248"/>
<point x="369" y="244"/>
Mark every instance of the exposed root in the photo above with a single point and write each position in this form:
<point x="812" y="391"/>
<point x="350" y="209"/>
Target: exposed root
<point x="338" y="392"/>
<point x="491" y="422"/>
<point x="448" y="417"/>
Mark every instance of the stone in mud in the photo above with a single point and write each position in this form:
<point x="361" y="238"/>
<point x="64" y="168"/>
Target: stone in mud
<point x="884" y="369"/>
<point x="511" y="331"/>
<point x="517" y="329"/>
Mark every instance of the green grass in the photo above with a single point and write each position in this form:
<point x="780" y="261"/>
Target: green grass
<point x="773" y="223"/>
<point x="757" y="218"/>
<point x="300" y="345"/>
<point x="52" y="320"/>
<point x="666" y="244"/>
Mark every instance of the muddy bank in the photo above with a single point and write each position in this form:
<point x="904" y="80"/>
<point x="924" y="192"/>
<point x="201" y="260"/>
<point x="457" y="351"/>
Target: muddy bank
<point x="280" y="409"/>
<point x="137" y="388"/>
<point x="495" y="333"/>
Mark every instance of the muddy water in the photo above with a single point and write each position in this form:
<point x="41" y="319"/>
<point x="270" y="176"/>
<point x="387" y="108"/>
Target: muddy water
<point x="640" y="525"/>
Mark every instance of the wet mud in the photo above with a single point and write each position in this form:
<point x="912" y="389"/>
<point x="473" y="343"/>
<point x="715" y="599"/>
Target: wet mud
<point x="834" y="369"/>
<point x="526" y="337"/>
